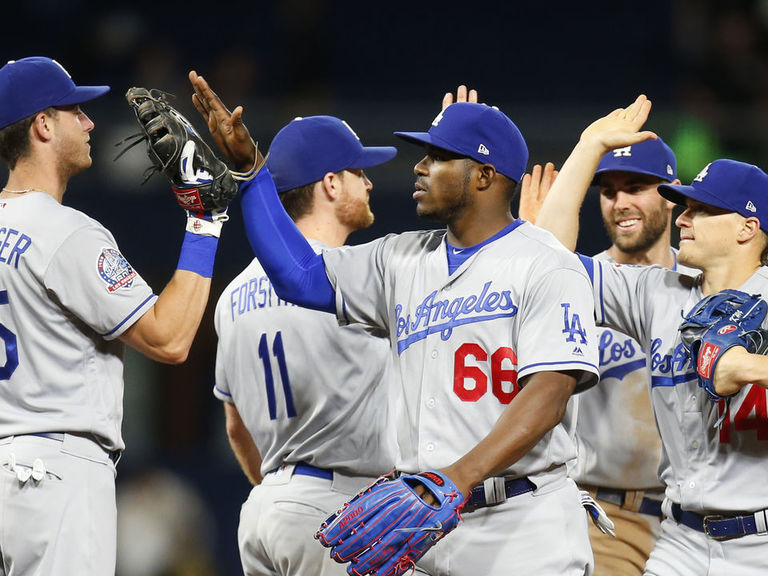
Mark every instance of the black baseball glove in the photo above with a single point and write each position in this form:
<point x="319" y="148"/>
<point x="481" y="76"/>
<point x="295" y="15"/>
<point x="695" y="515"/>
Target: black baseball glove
<point x="201" y="182"/>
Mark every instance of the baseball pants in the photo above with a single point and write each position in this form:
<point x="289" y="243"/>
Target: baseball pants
<point x="57" y="507"/>
<point x="541" y="533"/>
<point x="683" y="551"/>
<point x="279" y="520"/>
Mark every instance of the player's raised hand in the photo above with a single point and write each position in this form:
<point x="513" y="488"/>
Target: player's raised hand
<point x="226" y="127"/>
<point x="534" y="189"/>
<point x="462" y="95"/>
<point x="620" y="127"/>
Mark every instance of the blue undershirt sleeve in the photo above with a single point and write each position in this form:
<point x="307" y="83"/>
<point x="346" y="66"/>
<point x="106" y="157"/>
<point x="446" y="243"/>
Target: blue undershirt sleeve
<point x="296" y="272"/>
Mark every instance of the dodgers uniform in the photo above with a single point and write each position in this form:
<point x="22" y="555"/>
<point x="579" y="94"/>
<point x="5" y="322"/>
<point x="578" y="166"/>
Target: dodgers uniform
<point x="520" y="304"/>
<point x="707" y="468"/>
<point x="66" y="294"/>
<point x="621" y="469"/>
<point x="316" y="399"/>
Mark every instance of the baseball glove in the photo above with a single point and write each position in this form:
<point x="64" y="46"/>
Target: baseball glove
<point x="201" y="182"/>
<point x="387" y="527"/>
<point x="720" y="322"/>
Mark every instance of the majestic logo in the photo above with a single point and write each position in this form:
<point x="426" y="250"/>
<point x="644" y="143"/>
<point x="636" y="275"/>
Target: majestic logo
<point x="751" y="207"/>
<point x="707" y="353"/>
<point x="483" y="150"/>
<point x="115" y="270"/>
<point x="726" y="329"/>
<point x="622" y="152"/>
<point x="703" y="174"/>
<point x="432" y="315"/>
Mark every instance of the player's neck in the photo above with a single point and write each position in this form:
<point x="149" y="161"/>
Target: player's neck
<point x="323" y="230"/>
<point x="727" y="274"/>
<point x="469" y="231"/>
<point x="659" y="254"/>
<point x="25" y="178"/>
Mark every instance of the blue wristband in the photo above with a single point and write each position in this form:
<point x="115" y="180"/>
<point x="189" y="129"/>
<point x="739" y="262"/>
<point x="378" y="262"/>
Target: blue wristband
<point x="197" y="254"/>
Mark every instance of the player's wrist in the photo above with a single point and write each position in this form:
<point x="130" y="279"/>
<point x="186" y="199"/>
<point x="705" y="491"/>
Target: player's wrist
<point x="198" y="253"/>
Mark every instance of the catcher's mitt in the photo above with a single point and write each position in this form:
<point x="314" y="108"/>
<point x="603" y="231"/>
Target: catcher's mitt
<point x="201" y="182"/>
<point x="720" y="322"/>
<point x="387" y="527"/>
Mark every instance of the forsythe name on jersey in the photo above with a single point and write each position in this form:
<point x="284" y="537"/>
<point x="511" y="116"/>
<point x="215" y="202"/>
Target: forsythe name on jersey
<point x="253" y="294"/>
<point x="18" y="243"/>
<point x="427" y="317"/>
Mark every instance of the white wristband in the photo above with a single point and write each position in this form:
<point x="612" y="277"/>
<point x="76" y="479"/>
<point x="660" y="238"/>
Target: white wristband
<point x="204" y="227"/>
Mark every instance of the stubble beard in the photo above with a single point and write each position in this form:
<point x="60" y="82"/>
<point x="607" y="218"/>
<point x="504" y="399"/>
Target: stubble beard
<point x="355" y="213"/>
<point x="653" y="227"/>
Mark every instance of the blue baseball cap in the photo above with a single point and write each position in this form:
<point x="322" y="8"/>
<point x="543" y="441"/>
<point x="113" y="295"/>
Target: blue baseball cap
<point x="481" y="132"/>
<point x="652" y="157"/>
<point x="308" y="148"/>
<point x="32" y="84"/>
<point x="727" y="184"/>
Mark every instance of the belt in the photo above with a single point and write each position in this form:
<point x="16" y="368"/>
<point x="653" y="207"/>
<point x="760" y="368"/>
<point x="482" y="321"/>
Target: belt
<point x="309" y="470"/>
<point x="495" y="491"/>
<point x="114" y="455"/>
<point x="619" y="497"/>
<point x="723" y="527"/>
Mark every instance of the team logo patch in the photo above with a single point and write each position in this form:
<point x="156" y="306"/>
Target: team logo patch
<point x="726" y="329"/>
<point x="115" y="270"/>
<point x="708" y="352"/>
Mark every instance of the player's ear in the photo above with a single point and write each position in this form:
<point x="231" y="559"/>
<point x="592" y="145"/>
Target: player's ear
<point x="331" y="185"/>
<point x="41" y="128"/>
<point x="485" y="175"/>
<point x="749" y="229"/>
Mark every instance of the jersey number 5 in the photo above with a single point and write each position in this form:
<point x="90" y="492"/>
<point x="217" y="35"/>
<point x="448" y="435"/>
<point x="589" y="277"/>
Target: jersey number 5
<point x="470" y="382"/>
<point x="279" y="353"/>
<point x="9" y="339"/>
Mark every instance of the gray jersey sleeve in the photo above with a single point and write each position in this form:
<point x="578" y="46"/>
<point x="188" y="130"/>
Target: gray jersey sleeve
<point x="93" y="280"/>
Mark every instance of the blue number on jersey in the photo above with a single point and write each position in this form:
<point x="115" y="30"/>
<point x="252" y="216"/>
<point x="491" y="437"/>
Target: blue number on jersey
<point x="9" y="338"/>
<point x="279" y="352"/>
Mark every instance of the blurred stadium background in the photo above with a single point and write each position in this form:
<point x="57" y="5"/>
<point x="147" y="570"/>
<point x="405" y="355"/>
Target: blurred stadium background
<point x="553" y="67"/>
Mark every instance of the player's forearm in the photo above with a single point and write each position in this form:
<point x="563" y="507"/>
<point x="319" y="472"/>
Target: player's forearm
<point x="296" y="272"/>
<point x="737" y="368"/>
<point x="165" y="333"/>
<point x="537" y="409"/>
<point x="559" y="212"/>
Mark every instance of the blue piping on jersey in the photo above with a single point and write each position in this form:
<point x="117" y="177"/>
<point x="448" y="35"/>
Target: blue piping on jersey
<point x="672" y="380"/>
<point x="220" y="391"/>
<point x="589" y="266"/>
<point x="579" y="362"/>
<point x="619" y="372"/>
<point x="116" y="328"/>
<point x="447" y="327"/>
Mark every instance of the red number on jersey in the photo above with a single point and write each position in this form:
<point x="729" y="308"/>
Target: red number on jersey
<point x="751" y="415"/>
<point x="470" y="382"/>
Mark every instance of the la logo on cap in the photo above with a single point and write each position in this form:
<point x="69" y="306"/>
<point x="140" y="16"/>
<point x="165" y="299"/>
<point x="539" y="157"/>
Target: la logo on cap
<point x="703" y="174"/>
<point x="619" y="152"/>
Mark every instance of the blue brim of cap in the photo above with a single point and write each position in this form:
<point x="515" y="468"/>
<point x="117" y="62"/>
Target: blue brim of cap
<point x="82" y="94"/>
<point x="678" y="193"/>
<point x="427" y="138"/>
<point x="374" y="156"/>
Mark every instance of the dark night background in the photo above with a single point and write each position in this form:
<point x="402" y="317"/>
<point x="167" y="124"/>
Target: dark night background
<point x="553" y="67"/>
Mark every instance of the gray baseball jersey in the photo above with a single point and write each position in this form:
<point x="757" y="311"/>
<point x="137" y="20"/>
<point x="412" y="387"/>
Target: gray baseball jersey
<point x="705" y="468"/>
<point x="620" y="402"/>
<point x="519" y="305"/>
<point x="66" y="293"/>
<point x="307" y="389"/>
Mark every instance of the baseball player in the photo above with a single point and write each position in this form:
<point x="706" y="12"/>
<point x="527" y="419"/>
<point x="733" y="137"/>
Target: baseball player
<point x="69" y="302"/>
<point x="620" y="470"/>
<point x="306" y="401"/>
<point x="490" y="329"/>
<point x="712" y="452"/>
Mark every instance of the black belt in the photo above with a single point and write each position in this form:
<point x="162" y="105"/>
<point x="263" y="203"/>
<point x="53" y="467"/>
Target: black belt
<point x="490" y="492"/>
<point x="309" y="470"/>
<point x="618" y="497"/>
<point x="114" y="455"/>
<point x="723" y="527"/>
